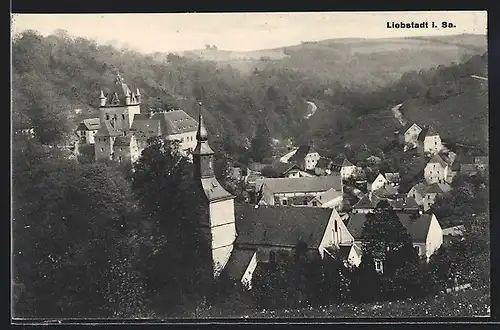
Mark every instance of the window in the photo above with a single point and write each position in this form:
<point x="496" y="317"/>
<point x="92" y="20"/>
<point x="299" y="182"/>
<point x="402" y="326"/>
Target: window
<point x="102" y="149"/>
<point x="284" y="202"/>
<point x="107" y="116"/>
<point x="417" y="249"/>
<point x="121" y="149"/>
<point x="304" y="203"/>
<point x="379" y="267"/>
<point x="123" y="116"/>
<point x="120" y="159"/>
<point x="315" y="203"/>
<point x="115" y="116"/>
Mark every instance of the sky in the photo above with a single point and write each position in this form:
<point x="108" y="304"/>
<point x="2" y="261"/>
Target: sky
<point x="149" y="33"/>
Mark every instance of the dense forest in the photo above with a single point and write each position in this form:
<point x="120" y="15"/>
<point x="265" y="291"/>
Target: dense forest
<point x="54" y="75"/>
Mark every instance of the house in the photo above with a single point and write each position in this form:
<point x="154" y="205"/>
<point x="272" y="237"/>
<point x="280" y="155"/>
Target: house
<point x="286" y="157"/>
<point x="284" y="170"/>
<point x="377" y="183"/>
<point x="424" y="229"/>
<point x="294" y="191"/>
<point x="265" y="233"/>
<point x="87" y="129"/>
<point x="305" y="157"/>
<point x="125" y="149"/>
<point x="393" y="179"/>
<point x="323" y="166"/>
<point x="418" y="193"/>
<point x="429" y="141"/>
<point x="453" y="234"/>
<point x="331" y="198"/>
<point x="120" y="115"/>
<point x="400" y="203"/>
<point x="436" y="170"/>
<point x="432" y="191"/>
<point x="345" y="167"/>
<point x="374" y="160"/>
<point x="409" y="135"/>
<point x="481" y="162"/>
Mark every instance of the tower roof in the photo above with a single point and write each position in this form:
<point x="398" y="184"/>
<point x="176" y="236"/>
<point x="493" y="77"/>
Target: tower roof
<point x="202" y="147"/>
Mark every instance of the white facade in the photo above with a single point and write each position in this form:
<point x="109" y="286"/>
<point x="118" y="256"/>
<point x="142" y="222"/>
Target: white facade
<point x="434" y="237"/>
<point x="432" y="144"/>
<point x="187" y="141"/>
<point x="435" y="173"/>
<point x="335" y="233"/>
<point x="87" y="136"/>
<point x="311" y="160"/>
<point x="347" y="172"/>
<point x="223" y="230"/>
<point x="379" y="182"/>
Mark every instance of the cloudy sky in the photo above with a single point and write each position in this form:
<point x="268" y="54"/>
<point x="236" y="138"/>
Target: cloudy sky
<point x="241" y="31"/>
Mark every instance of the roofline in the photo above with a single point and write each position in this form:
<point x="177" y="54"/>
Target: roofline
<point x="221" y="199"/>
<point x="277" y="245"/>
<point x="118" y="106"/>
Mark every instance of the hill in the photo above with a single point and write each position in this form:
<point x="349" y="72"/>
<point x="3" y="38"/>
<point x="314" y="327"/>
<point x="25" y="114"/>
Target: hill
<point x="446" y="97"/>
<point x="368" y="62"/>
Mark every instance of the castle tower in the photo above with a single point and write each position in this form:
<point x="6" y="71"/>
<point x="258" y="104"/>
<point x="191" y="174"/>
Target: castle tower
<point x="120" y="106"/>
<point x="219" y="203"/>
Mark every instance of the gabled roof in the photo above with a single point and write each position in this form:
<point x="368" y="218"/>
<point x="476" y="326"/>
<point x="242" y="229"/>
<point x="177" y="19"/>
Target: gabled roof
<point x="436" y="159"/>
<point x="213" y="190"/>
<point x="438" y="188"/>
<point x="90" y="124"/>
<point x="323" y="163"/>
<point x="238" y="263"/>
<point x="386" y="191"/>
<point x="366" y="203"/>
<point x="175" y="122"/>
<point x="417" y="226"/>
<point x="408" y="126"/>
<point x="392" y="177"/>
<point x="122" y="141"/>
<point x="328" y="195"/>
<point x="300" y="154"/>
<point x="427" y="131"/>
<point x="407" y="203"/>
<point x="283" y="168"/>
<point x="281" y="225"/>
<point x="421" y="188"/>
<point x="145" y="127"/>
<point x="108" y="130"/>
<point x="304" y="184"/>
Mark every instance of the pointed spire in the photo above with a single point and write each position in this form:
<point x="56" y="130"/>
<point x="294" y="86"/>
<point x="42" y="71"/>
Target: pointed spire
<point x="119" y="78"/>
<point x="202" y="134"/>
<point x="102" y="95"/>
<point x="137" y="92"/>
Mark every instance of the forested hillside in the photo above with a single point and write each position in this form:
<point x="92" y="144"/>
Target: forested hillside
<point x="54" y="75"/>
<point x="446" y="97"/>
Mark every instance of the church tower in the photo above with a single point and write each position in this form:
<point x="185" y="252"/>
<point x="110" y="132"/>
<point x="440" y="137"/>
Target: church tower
<point x="219" y="203"/>
<point x="120" y="106"/>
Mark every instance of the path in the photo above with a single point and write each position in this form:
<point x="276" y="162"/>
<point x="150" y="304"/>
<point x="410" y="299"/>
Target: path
<point x="397" y="114"/>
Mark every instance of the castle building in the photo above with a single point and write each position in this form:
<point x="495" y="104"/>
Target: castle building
<point x="120" y="119"/>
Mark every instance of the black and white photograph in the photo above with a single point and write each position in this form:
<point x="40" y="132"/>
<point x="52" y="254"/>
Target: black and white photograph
<point x="249" y="166"/>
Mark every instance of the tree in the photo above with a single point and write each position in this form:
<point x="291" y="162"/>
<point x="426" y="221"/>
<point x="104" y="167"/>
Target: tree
<point x="176" y="260"/>
<point x="387" y="240"/>
<point x="67" y="223"/>
<point x="261" y="143"/>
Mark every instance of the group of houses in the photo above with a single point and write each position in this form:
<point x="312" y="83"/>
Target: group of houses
<point x="302" y="199"/>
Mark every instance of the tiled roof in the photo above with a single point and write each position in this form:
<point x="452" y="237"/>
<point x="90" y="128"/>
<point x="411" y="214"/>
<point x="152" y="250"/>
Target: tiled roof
<point x="281" y="225"/>
<point x="436" y="159"/>
<point x="108" y="130"/>
<point x="175" y="122"/>
<point x="328" y="195"/>
<point x="427" y="131"/>
<point x="323" y="163"/>
<point x="438" y="188"/>
<point x="122" y="141"/>
<point x="300" y="154"/>
<point x="420" y="188"/>
<point x="305" y="184"/>
<point x="145" y="127"/>
<point x="407" y="127"/>
<point x="386" y="191"/>
<point x="238" y="262"/>
<point x="417" y="226"/>
<point x="91" y="124"/>
<point x="213" y="190"/>
<point x="454" y="231"/>
<point x="407" y="203"/>
<point x="366" y="203"/>
<point x="392" y="177"/>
